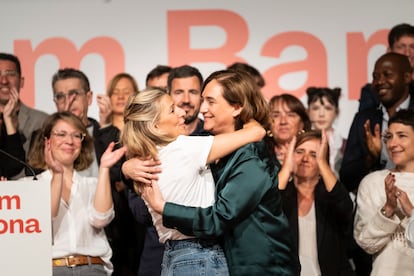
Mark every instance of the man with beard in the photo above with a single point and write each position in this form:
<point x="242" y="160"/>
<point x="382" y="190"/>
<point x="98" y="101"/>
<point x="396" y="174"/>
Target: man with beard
<point x="184" y="86"/>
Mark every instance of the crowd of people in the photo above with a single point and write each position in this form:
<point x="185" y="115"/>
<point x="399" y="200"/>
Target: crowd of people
<point x="206" y="177"/>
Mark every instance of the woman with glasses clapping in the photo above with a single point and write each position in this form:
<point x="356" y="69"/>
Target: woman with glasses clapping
<point x="81" y="206"/>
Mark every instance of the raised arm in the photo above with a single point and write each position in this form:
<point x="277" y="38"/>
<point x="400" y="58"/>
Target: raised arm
<point x="56" y="184"/>
<point x="10" y="112"/>
<point x="225" y="144"/>
<point x="287" y="168"/>
<point x="373" y="141"/>
<point x="105" y="109"/>
<point x="355" y="160"/>
<point x="13" y="143"/>
<point x="103" y="196"/>
<point x="373" y="230"/>
<point x="325" y="170"/>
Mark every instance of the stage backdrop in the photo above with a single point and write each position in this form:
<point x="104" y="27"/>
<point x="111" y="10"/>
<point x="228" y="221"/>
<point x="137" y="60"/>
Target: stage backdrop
<point x="294" y="43"/>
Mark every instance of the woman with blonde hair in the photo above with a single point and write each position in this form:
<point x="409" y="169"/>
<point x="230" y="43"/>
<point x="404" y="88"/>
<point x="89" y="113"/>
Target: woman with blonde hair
<point x="112" y="106"/>
<point x="247" y="213"/>
<point x="154" y="127"/>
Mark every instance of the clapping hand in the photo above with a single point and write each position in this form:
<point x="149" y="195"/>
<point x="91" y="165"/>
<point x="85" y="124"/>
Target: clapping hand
<point x="390" y="192"/>
<point x="288" y="164"/>
<point x="321" y="156"/>
<point x="289" y="161"/>
<point x="395" y="194"/>
<point x="405" y="202"/>
<point x="110" y="156"/>
<point x="10" y="112"/>
<point x="373" y="141"/>
<point x="69" y="101"/>
<point x="105" y="109"/>
<point x="51" y="162"/>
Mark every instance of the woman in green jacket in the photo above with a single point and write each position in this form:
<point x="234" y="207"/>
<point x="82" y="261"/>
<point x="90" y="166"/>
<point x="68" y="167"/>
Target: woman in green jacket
<point x="247" y="215"/>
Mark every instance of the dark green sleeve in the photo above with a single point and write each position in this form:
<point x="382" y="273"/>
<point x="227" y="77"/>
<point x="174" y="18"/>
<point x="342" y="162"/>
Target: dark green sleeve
<point x="183" y="216"/>
<point x="243" y="185"/>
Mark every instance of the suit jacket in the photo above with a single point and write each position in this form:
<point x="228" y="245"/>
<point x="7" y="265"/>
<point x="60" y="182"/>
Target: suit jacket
<point x="368" y="98"/>
<point x="102" y="138"/>
<point x="12" y="145"/>
<point x="152" y="252"/>
<point x="247" y="215"/>
<point x="333" y="211"/>
<point x="30" y="120"/>
<point x="354" y="166"/>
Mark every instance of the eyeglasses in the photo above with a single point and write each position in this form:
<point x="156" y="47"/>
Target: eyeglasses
<point x="60" y="97"/>
<point x="76" y="136"/>
<point x="9" y="73"/>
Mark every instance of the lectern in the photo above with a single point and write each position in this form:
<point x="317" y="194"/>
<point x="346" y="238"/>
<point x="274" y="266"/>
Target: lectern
<point x="25" y="228"/>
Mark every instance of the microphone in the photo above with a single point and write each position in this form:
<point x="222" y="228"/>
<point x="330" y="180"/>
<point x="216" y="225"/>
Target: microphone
<point x="21" y="162"/>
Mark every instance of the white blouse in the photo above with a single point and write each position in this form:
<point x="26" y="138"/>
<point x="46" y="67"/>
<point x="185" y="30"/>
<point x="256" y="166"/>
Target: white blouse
<point x="308" y="250"/>
<point x="78" y="229"/>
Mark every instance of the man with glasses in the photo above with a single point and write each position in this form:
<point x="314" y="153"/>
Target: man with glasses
<point x="24" y="118"/>
<point x="72" y="92"/>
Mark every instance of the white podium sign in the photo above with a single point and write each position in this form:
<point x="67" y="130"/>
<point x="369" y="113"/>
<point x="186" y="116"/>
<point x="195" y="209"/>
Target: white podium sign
<point x="25" y="228"/>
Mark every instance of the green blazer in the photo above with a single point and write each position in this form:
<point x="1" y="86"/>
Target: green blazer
<point x="247" y="215"/>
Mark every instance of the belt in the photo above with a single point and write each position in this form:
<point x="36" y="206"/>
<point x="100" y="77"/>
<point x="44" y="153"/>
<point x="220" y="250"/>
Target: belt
<point x="76" y="260"/>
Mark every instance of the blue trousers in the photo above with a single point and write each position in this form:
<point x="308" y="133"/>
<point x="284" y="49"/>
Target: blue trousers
<point x="193" y="257"/>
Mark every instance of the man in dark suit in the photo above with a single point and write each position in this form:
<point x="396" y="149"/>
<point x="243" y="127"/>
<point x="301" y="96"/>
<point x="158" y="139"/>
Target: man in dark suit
<point x="25" y="119"/>
<point x="400" y="40"/>
<point x="364" y="150"/>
